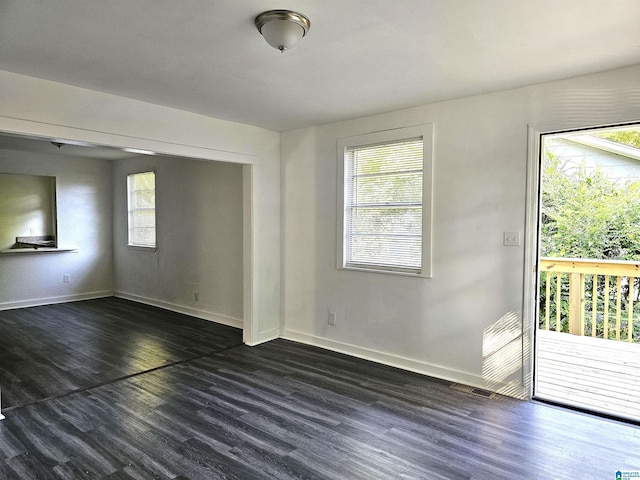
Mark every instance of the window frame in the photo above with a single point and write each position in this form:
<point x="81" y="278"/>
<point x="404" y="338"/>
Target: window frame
<point x="130" y="243"/>
<point x="425" y="131"/>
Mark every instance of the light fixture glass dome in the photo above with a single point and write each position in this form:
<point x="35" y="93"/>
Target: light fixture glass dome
<point x="282" y="28"/>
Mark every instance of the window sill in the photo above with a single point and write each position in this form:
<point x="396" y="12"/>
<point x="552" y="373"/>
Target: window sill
<point x="388" y="272"/>
<point x="142" y="248"/>
<point x="40" y="250"/>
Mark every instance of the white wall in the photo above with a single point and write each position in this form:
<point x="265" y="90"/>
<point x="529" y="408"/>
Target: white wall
<point x="464" y="324"/>
<point x="38" y="107"/>
<point x="199" y="225"/>
<point x="84" y="221"/>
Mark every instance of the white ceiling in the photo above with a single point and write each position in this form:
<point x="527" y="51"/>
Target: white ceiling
<point x="360" y="56"/>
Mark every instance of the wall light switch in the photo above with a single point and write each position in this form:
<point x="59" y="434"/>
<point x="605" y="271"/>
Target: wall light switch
<point x="511" y="239"/>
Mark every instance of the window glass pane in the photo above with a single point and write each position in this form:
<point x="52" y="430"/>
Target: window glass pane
<point x="144" y="199"/>
<point x="405" y="221"/>
<point x="145" y="181"/>
<point x="396" y="188"/>
<point x="144" y="219"/>
<point x="144" y="236"/>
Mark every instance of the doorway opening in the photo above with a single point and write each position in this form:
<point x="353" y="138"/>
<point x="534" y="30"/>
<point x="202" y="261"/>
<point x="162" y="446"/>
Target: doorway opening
<point x="33" y="140"/>
<point x="587" y="339"/>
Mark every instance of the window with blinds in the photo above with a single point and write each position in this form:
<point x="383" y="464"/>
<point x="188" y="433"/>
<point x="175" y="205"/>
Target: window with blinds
<point x="384" y="205"/>
<point x="383" y="224"/>
<point x="142" y="209"/>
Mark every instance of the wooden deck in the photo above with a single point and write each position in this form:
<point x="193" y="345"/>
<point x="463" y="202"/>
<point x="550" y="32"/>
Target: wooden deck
<point x="591" y="373"/>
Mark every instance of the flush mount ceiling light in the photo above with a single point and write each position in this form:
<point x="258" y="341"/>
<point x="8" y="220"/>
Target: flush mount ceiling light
<point x="137" y="150"/>
<point x="282" y="29"/>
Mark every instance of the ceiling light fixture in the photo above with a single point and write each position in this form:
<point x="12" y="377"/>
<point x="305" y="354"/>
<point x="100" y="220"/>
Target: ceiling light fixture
<point x="64" y="141"/>
<point x="282" y="29"/>
<point x="139" y="151"/>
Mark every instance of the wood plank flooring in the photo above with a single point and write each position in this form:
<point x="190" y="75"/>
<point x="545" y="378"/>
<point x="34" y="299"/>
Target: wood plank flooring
<point x="288" y="411"/>
<point x="55" y="349"/>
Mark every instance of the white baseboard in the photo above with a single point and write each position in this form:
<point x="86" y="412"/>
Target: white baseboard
<point x="403" y="363"/>
<point x="193" y="312"/>
<point x="36" y="302"/>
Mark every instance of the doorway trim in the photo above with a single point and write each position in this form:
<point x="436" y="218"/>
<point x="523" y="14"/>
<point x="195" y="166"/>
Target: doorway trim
<point x="530" y="305"/>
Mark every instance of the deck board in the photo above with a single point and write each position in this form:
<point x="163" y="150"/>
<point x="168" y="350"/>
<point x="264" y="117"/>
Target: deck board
<point x="591" y="373"/>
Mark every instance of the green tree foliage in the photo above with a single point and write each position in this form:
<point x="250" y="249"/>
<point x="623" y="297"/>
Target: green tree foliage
<point x="626" y="137"/>
<point x="587" y="215"/>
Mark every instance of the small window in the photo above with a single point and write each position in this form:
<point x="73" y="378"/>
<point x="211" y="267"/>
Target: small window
<point x="386" y="200"/>
<point x="142" y="209"/>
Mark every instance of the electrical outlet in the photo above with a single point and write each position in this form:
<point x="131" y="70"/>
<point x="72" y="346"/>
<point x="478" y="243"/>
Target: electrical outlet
<point x="66" y="278"/>
<point x="332" y="318"/>
<point x="511" y="239"/>
<point x="196" y="296"/>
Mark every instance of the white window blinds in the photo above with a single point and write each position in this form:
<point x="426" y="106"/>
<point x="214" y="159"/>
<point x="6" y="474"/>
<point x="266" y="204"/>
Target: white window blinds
<point x="383" y="206"/>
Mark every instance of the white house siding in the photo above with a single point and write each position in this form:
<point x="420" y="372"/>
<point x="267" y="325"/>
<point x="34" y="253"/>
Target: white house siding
<point x="576" y="155"/>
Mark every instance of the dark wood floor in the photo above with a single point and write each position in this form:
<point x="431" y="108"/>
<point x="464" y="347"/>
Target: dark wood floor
<point x="288" y="411"/>
<point x="55" y="349"/>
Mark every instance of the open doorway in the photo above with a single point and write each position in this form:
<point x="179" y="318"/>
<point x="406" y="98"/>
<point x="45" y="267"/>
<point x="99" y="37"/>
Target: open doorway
<point x="587" y="352"/>
<point x="201" y="268"/>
